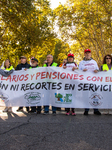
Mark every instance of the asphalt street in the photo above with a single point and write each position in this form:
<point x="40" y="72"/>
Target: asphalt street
<point x="23" y="131"/>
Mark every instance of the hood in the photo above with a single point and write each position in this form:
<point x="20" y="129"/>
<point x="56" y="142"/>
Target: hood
<point x="87" y="59"/>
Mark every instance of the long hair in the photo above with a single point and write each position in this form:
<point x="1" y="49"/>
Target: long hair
<point x="9" y="63"/>
<point x="104" y="59"/>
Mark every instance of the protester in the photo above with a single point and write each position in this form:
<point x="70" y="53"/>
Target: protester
<point x="34" y="64"/>
<point x="88" y="64"/>
<point x="7" y="67"/>
<point x="71" y="65"/>
<point x="22" y="66"/>
<point x="50" y="63"/>
<point x="107" y="63"/>
<point x="45" y="61"/>
<point x="64" y="62"/>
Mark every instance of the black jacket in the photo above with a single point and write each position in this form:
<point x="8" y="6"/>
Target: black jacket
<point x="20" y="66"/>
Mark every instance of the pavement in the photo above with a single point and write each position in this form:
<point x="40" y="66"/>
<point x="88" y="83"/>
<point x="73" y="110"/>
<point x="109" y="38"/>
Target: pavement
<point x="23" y="131"/>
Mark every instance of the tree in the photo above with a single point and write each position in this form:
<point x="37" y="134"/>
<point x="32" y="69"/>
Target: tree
<point x="88" y="24"/>
<point x="61" y="51"/>
<point x="26" y="26"/>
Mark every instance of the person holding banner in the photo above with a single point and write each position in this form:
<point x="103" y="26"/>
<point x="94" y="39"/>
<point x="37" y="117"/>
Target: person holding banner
<point x="7" y="67"/>
<point x="64" y="62"/>
<point x="107" y="63"/>
<point x="88" y="64"/>
<point x="45" y="61"/>
<point x="71" y="65"/>
<point x="34" y="64"/>
<point x="50" y="63"/>
<point x="22" y="66"/>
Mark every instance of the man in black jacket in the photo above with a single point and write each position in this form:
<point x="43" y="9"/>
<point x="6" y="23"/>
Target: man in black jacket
<point x="34" y="64"/>
<point x="22" y="66"/>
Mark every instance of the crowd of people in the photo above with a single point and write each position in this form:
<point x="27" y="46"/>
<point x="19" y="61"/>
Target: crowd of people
<point x="87" y="64"/>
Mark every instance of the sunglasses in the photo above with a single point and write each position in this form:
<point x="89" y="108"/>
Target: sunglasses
<point x="108" y="58"/>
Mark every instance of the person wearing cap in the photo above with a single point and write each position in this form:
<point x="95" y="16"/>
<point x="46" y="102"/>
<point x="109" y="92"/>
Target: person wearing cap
<point x="34" y="64"/>
<point x="22" y="66"/>
<point x="88" y="64"/>
<point x="71" y="65"/>
<point x="50" y="63"/>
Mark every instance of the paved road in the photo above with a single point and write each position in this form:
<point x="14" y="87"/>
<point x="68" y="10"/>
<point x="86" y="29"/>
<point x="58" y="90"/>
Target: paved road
<point x="23" y="131"/>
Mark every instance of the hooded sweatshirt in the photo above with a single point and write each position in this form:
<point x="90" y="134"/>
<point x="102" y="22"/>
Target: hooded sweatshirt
<point x="90" y="65"/>
<point x="70" y="65"/>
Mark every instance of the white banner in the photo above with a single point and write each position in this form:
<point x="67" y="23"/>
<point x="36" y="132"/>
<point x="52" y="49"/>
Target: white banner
<point x="57" y="87"/>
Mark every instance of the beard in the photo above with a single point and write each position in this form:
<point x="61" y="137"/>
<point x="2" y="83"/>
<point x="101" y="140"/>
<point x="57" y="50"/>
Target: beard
<point x="33" y="65"/>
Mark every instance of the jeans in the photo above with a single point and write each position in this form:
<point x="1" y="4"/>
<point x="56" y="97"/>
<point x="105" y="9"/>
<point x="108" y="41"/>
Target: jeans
<point x="47" y="108"/>
<point x="39" y="108"/>
<point x="87" y="109"/>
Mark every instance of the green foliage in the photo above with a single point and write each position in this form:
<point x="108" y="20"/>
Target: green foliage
<point x="27" y="29"/>
<point x="88" y="24"/>
<point x="60" y="52"/>
<point x="25" y="26"/>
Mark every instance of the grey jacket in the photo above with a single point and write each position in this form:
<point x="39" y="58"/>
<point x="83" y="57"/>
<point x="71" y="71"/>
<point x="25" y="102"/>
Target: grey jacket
<point x="5" y="73"/>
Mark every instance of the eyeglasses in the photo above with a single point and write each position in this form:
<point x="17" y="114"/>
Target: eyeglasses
<point x="49" y="57"/>
<point x="108" y="58"/>
<point x="32" y="62"/>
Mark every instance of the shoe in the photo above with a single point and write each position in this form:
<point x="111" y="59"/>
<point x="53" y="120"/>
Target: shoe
<point x="28" y="111"/>
<point x="46" y="113"/>
<point x="86" y="113"/>
<point x="10" y="109"/>
<point x="97" y="113"/>
<point x="65" y="109"/>
<point x="54" y="113"/>
<point x="31" y="111"/>
<point x="6" y="109"/>
<point x="73" y="114"/>
<point x="68" y="113"/>
<point x="58" y="108"/>
<point x="19" y="109"/>
<point x="38" y="112"/>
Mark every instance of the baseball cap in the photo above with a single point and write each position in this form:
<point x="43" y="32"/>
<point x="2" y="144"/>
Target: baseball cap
<point x="87" y="50"/>
<point x="71" y="55"/>
<point x="23" y="57"/>
<point x="33" y="58"/>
